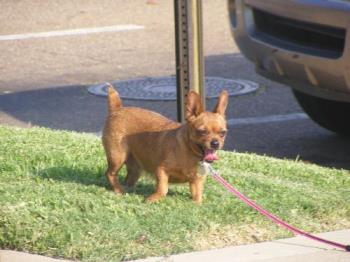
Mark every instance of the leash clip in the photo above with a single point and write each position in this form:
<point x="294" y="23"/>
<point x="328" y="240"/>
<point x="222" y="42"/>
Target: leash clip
<point x="205" y="168"/>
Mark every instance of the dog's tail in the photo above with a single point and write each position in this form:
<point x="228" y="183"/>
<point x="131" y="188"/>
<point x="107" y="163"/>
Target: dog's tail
<point x="114" y="102"/>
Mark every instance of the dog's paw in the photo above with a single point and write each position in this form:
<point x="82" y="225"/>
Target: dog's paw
<point x="153" y="198"/>
<point x="197" y="201"/>
<point x="118" y="191"/>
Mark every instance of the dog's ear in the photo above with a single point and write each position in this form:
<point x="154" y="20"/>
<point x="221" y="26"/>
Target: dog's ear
<point x="193" y="105"/>
<point x="220" y="107"/>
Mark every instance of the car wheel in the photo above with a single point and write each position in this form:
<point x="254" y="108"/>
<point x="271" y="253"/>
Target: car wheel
<point x="329" y="114"/>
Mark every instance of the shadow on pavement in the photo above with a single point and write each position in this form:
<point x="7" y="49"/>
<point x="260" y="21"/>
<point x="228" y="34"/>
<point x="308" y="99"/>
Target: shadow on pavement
<point x="70" y="107"/>
<point x="73" y="108"/>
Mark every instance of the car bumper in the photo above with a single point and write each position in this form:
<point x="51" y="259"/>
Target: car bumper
<point x="308" y="50"/>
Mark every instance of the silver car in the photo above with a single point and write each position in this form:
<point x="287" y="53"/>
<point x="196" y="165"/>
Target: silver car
<point x="304" y="44"/>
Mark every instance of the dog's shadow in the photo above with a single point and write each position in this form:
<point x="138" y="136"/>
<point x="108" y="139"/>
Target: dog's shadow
<point x="90" y="177"/>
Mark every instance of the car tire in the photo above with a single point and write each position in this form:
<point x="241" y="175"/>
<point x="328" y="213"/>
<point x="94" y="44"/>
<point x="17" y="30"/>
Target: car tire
<point x="330" y="114"/>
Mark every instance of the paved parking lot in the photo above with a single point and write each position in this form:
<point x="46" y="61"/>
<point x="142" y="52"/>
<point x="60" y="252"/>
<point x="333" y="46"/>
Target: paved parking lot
<point x="44" y="77"/>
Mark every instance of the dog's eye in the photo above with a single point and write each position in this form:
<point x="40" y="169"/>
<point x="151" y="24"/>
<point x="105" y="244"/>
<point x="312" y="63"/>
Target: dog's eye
<point x="223" y="133"/>
<point x="202" y="132"/>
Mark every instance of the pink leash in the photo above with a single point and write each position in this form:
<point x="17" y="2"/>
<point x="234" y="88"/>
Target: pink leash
<point x="275" y="219"/>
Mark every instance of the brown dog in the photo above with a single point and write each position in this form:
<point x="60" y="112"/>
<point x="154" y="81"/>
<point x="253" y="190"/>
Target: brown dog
<point x="147" y="141"/>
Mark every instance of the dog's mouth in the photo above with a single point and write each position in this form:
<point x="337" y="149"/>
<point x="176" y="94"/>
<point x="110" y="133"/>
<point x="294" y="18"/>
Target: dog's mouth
<point x="209" y="155"/>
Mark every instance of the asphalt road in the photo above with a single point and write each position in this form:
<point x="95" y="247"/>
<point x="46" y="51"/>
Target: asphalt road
<point x="43" y="81"/>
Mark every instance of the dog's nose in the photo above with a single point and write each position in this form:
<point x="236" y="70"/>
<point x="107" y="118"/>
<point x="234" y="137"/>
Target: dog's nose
<point x="214" y="144"/>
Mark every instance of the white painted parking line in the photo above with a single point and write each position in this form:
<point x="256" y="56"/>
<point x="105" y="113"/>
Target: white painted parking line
<point x="72" y="32"/>
<point x="266" y="119"/>
<point x="99" y="134"/>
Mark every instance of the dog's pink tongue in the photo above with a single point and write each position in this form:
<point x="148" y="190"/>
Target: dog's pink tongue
<point x="210" y="155"/>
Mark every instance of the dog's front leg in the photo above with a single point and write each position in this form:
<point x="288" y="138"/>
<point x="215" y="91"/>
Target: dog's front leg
<point x="162" y="186"/>
<point x="196" y="187"/>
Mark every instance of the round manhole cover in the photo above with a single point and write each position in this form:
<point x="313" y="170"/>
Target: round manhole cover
<point x="165" y="88"/>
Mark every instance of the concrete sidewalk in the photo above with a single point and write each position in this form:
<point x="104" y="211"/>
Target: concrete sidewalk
<point x="296" y="249"/>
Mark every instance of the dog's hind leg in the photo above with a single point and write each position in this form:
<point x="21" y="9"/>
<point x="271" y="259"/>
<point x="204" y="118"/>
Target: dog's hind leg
<point x="133" y="171"/>
<point x="115" y="162"/>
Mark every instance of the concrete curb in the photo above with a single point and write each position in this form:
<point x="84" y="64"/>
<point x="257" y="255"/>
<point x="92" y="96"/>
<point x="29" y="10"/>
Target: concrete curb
<point x="287" y="250"/>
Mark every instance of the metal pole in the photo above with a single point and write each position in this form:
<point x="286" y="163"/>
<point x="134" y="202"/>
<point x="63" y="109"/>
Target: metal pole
<point x="189" y="52"/>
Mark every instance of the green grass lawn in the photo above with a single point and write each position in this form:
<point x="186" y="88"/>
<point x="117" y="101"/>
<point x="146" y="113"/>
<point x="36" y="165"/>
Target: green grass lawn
<point x="55" y="201"/>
